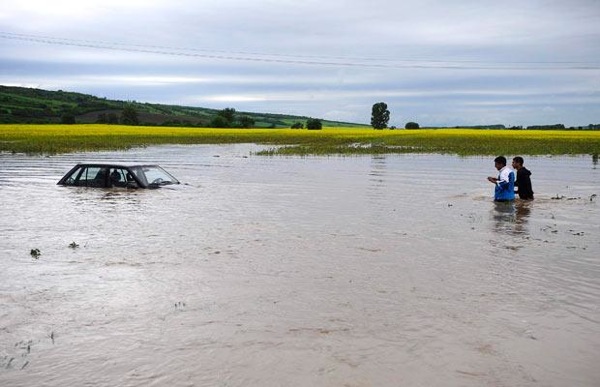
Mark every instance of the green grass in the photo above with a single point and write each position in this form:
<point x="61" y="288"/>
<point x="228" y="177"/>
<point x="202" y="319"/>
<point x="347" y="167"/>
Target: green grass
<point x="52" y="139"/>
<point x="35" y="106"/>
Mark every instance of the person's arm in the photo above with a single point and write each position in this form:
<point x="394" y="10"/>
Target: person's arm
<point x="503" y="179"/>
<point x="502" y="184"/>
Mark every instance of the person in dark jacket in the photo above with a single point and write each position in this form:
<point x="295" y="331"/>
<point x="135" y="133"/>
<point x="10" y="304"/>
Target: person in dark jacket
<point x="523" y="183"/>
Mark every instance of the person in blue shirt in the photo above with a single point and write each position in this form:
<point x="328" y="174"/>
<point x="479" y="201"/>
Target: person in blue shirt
<point x="505" y="182"/>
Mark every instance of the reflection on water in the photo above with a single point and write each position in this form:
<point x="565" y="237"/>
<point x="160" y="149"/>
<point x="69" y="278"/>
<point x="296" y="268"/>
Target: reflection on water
<point x="321" y="271"/>
<point x="511" y="217"/>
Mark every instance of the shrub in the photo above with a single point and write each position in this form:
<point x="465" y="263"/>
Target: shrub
<point x="314" y="124"/>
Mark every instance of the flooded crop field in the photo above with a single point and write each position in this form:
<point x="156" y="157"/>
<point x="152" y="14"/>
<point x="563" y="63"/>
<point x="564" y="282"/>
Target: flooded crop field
<point x="288" y="271"/>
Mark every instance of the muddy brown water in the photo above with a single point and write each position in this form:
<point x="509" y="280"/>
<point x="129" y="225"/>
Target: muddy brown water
<point x="319" y="271"/>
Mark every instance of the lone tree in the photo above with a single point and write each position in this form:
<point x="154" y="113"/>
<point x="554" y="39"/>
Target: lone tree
<point x="314" y="124"/>
<point x="411" y="125"/>
<point x="380" y="115"/>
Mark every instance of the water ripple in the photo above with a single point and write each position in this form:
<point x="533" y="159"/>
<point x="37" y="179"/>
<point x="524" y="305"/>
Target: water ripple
<point x="325" y="271"/>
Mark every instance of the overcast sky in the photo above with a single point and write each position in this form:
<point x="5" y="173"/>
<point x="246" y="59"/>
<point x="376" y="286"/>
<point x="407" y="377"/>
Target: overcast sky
<point x="436" y="62"/>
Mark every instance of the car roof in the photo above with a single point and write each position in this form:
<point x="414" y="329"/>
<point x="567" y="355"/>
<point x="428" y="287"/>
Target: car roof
<point x="114" y="165"/>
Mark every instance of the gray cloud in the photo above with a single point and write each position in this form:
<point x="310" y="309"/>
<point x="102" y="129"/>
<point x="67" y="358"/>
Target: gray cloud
<point x="440" y="63"/>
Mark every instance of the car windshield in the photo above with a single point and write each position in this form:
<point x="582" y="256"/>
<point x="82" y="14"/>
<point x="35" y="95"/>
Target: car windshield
<point x="154" y="175"/>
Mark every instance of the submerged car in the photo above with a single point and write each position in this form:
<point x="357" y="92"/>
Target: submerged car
<point x="104" y="175"/>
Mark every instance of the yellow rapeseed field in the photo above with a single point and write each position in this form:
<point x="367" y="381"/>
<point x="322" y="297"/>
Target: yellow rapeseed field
<point x="49" y="139"/>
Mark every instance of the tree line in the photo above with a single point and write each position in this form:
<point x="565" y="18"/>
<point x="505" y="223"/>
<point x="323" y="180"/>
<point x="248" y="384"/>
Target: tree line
<point x="229" y="118"/>
<point x="26" y="105"/>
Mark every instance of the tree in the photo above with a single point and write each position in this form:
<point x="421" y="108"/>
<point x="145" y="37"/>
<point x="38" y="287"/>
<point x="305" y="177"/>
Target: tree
<point x="219" y="121"/>
<point x="224" y="119"/>
<point x="314" y="124"/>
<point x="129" y="116"/>
<point x="411" y="125"/>
<point x="298" y="125"/>
<point x="246" y="121"/>
<point x="228" y="114"/>
<point x="380" y="115"/>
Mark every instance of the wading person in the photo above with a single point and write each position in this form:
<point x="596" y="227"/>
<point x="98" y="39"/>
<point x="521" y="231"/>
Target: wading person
<point x="523" y="182"/>
<point x="505" y="182"/>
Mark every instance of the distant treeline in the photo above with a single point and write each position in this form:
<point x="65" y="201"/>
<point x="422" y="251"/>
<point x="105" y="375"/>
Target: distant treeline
<point x="20" y="105"/>
<point x="534" y="127"/>
<point x="561" y="126"/>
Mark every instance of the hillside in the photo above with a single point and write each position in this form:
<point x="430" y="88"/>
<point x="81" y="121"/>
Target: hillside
<point x="26" y="105"/>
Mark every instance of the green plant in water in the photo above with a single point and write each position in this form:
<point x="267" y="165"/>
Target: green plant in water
<point x="35" y="253"/>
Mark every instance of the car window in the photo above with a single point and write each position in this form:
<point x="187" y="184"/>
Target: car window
<point x="119" y="177"/>
<point x="89" y="177"/>
<point x="71" y="179"/>
<point x="158" y="176"/>
<point x="139" y="173"/>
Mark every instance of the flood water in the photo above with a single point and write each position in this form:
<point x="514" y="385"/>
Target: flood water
<point x="287" y="271"/>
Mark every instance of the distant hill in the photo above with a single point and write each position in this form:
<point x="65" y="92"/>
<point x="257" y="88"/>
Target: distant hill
<point x="37" y="106"/>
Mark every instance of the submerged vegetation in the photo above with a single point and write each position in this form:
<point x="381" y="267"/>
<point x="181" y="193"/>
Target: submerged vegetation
<point x="53" y="139"/>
